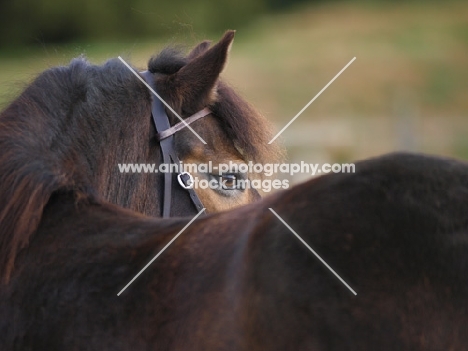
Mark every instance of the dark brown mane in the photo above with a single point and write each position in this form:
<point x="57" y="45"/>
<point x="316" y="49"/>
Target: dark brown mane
<point x="51" y="140"/>
<point x="249" y="129"/>
<point x="244" y="125"/>
<point x="169" y="61"/>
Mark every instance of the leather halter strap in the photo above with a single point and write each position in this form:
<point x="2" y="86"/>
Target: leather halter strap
<point x="165" y="137"/>
<point x="181" y="125"/>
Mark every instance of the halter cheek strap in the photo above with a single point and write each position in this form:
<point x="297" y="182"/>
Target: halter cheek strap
<point x="165" y="137"/>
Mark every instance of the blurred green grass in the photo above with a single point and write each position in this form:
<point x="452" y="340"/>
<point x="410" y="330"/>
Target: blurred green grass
<point x="408" y="88"/>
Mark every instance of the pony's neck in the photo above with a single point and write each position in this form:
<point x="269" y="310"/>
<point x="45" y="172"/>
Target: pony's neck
<point x="69" y="130"/>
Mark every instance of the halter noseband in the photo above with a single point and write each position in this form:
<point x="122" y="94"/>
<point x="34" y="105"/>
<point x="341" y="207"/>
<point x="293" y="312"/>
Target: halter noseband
<point x="165" y="137"/>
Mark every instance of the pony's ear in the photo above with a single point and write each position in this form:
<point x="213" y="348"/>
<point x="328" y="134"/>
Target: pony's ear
<point x="199" y="49"/>
<point x="194" y="85"/>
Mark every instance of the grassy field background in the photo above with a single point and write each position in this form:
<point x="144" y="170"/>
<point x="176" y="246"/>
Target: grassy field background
<point x="407" y="89"/>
